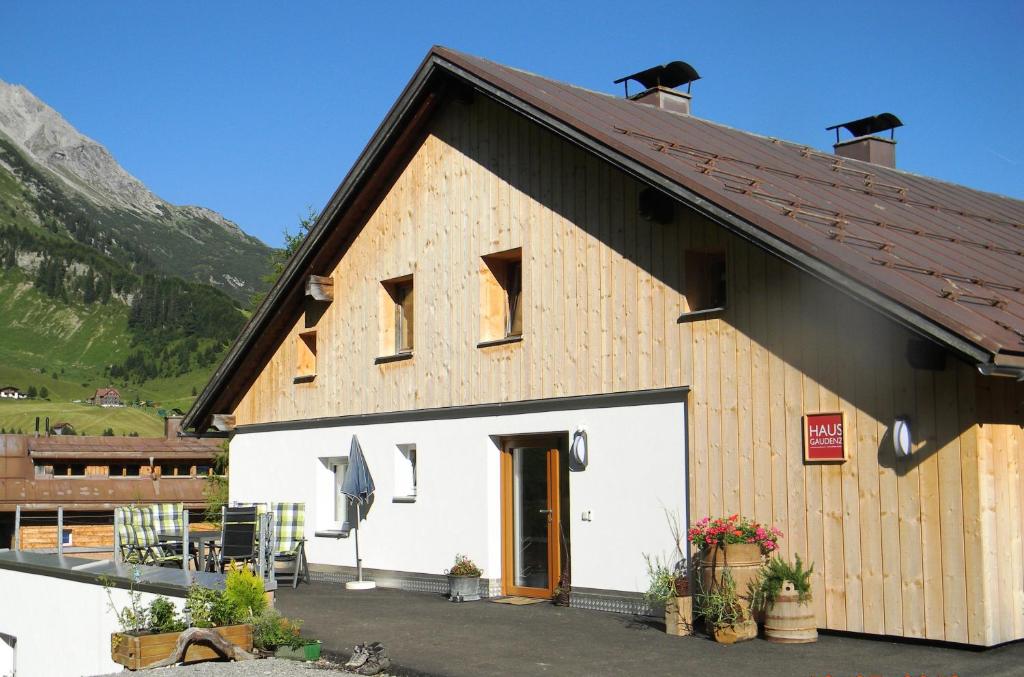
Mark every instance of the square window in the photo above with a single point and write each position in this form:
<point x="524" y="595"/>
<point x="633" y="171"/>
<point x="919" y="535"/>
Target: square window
<point x="397" y="319"/>
<point x="501" y="296"/>
<point x="405" y="472"/>
<point x="305" y="360"/>
<point x="705" y="288"/>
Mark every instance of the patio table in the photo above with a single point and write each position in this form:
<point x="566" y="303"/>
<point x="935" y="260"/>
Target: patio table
<point x="204" y="540"/>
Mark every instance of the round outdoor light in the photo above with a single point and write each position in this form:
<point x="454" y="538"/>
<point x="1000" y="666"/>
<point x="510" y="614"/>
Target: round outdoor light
<point x="578" y="452"/>
<point x="902" y="441"/>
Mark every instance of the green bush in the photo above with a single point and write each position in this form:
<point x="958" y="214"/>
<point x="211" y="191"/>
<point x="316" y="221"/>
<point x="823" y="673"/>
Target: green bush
<point x="272" y="630"/>
<point x="720" y="607"/>
<point x="244" y="595"/>
<point x="765" y="590"/>
<point x="163" y="616"/>
<point x="208" y="608"/>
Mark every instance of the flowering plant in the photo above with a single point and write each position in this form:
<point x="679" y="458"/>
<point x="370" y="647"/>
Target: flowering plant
<point x="733" y="529"/>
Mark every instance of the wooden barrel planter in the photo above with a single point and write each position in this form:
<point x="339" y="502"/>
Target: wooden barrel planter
<point x="741" y="560"/>
<point x="790" y="621"/>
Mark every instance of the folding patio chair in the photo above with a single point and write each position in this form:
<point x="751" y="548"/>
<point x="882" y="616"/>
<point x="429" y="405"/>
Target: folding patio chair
<point x="237" y="536"/>
<point x="167" y="519"/>
<point x="128" y="541"/>
<point x="146" y="539"/>
<point x="289" y="538"/>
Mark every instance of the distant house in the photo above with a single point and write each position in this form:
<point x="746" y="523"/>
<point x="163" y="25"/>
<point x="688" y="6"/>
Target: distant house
<point x="12" y="393"/>
<point x="62" y="428"/>
<point x="107" y="397"/>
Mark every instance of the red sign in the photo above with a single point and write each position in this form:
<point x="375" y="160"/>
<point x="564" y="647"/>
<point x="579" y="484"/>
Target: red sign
<point x="824" y="437"/>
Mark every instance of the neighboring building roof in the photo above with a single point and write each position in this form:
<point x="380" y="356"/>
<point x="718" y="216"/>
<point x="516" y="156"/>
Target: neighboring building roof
<point x="103" y="392"/>
<point x="944" y="259"/>
<point x="125" y="448"/>
<point x="9" y="388"/>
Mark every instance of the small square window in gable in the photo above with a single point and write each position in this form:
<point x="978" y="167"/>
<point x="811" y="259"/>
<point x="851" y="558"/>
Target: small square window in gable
<point x="305" y="356"/>
<point x="397" y="318"/>
<point x="501" y="296"/>
<point x="705" y="282"/>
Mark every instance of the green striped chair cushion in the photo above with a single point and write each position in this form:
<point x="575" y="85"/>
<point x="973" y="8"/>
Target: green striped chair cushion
<point x="167" y="517"/>
<point x="289" y="528"/>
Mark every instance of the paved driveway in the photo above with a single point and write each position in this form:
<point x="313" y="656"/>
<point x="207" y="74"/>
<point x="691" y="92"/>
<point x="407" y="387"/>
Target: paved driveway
<point x="427" y="635"/>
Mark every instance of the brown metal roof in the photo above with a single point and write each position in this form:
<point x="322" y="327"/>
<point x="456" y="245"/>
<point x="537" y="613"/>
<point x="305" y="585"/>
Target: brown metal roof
<point x="945" y="259"/>
<point x="108" y="448"/>
<point x="950" y="253"/>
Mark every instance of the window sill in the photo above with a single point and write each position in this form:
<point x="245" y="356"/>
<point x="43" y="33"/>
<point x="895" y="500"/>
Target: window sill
<point x="332" y="533"/>
<point x="500" y="342"/>
<point x="700" y="314"/>
<point x="304" y="378"/>
<point x="397" y="357"/>
<point x="403" y="499"/>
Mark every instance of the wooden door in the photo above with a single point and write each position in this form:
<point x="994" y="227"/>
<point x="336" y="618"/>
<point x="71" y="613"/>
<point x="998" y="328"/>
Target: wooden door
<point x="531" y="556"/>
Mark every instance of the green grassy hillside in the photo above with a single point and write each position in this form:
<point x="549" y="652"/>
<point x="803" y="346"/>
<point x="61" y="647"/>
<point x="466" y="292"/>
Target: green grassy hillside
<point x="64" y="348"/>
<point x="86" y="419"/>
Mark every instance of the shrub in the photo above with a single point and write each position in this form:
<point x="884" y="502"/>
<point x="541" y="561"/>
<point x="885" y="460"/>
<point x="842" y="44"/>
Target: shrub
<point x="207" y="608"/>
<point x="464" y="566"/>
<point x="244" y="595"/>
<point x="720" y="607"/>
<point x="271" y="630"/>
<point x="163" y="616"/>
<point x="662" y="581"/>
<point x="765" y="590"/>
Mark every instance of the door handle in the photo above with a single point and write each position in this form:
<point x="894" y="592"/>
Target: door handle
<point x="545" y="511"/>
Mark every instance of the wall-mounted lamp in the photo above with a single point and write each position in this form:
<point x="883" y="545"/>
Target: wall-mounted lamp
<point x="902" y="440"/>
<point x="579" y="453"/>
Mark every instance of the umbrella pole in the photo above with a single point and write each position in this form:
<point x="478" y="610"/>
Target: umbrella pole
<point x="359" y="583"/>
<point x="359" y="560"/>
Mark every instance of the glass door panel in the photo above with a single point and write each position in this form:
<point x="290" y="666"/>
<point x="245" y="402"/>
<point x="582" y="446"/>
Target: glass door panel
<point x="530" y="517"/>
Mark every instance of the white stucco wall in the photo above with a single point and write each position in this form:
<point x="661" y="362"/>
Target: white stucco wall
<point x="637" y="471"/>
<point x="62" y="627"/>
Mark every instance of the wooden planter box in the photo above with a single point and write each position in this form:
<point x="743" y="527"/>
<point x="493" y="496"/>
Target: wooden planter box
<point x="139" y="651"/>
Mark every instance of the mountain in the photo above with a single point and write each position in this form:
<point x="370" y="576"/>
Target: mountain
<point x="103" y="283"/>
<point x="95" y="201"/>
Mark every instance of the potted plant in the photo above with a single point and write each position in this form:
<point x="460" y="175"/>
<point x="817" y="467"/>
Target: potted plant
<point x="670" y="588"/>
<point x="783" y="593"/>
<point x="282" y="637"/>
<point x="734" y="545"/>
<point x="463" y="580"/>
<point x="726" y="619"/>
<point x="214" y="625"/>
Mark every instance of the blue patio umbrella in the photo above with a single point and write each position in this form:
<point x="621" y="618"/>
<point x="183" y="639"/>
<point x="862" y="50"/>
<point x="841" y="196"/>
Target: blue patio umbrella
<point x="358" y="487"/>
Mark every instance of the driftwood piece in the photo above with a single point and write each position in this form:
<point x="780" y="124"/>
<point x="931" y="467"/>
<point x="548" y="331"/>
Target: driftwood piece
<point x="203" y="636"/>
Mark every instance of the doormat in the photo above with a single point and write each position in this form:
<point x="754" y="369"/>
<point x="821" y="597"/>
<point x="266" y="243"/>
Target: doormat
<point x="517" y="601"/>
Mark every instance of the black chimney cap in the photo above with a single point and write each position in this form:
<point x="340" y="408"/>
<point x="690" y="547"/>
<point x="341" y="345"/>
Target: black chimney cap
<point x="869" y="125"/>
<point x="671" y="74"/>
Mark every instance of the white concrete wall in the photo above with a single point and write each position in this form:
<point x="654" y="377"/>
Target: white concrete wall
<point x="637" y="471"/>
<point x="62" y="627"/>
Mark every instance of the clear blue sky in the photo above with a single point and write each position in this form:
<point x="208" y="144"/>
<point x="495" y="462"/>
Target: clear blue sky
<point x="258" y="109"/>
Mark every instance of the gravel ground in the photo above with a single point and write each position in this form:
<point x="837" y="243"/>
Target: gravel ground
<point x="270" y="667"/>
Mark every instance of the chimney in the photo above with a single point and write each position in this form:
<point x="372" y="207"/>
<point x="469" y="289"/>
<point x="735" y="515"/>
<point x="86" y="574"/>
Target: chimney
<point x="172" y="426"/>
<point x="665" y="98"/>
<point x="659" y="85"/>
<point x="865" y="145"/>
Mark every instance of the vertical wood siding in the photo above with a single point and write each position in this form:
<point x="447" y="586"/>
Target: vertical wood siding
<point x="924" y="547"/>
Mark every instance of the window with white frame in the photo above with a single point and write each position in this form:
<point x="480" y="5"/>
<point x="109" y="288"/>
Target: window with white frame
<point x="339" y="467"/>
<point x="332" y="507"/>
<point x="405" y="472"/>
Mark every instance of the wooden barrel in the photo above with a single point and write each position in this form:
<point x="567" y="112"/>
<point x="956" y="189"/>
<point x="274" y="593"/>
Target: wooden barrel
<point x="742" y="560"/>
<point x="789" y="621"/>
